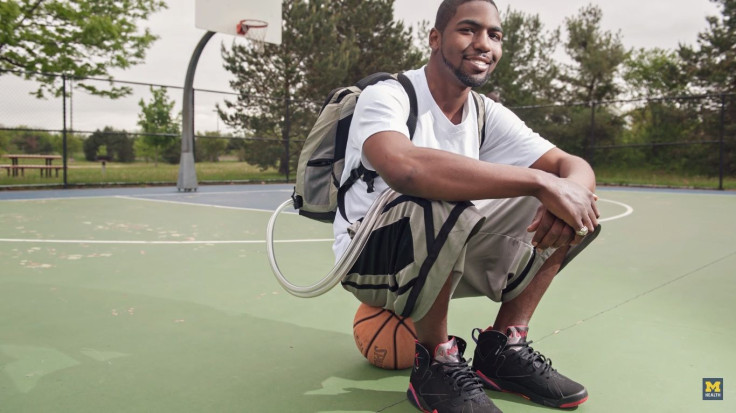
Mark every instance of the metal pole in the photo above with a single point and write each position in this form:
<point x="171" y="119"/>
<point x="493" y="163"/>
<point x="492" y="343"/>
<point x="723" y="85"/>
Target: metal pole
<point x="591" y="135"/>
<point x="287" y="130"/>
<point x="63" y="133"/>
<point x="71" y="105"/>
<point x="722" y="148"/>
<point x="187" y="174"/>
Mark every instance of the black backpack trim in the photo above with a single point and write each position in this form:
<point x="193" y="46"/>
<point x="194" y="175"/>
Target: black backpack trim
<point x="361" y="172"/>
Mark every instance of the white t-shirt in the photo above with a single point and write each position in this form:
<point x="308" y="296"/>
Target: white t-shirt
<point x="385" y="107"/>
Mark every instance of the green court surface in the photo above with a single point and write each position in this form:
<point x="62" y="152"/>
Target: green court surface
<point x="150" y="300"/>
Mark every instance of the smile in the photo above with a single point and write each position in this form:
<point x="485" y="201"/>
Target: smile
<point x="480" y="64"/>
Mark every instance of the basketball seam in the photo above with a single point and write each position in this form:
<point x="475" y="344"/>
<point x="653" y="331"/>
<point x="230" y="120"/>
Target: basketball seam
<point x="399" y="324"/>
<point x="355" y="323"/>
<point x="368" y="348"/>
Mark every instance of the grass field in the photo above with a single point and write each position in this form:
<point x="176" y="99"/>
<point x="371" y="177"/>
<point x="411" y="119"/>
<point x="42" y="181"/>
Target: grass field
<point x="92" y="173"/>
<point x="84" y="172"/>
<point x="647" y="177"/>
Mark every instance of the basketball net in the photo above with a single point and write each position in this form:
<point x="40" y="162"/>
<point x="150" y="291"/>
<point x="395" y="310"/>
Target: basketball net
<point x="255" y="31"/>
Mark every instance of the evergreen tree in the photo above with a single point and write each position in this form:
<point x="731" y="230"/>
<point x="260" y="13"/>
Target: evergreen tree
<point x="527" y="72"/>
<point x="712" y="65"/>
<point x="596" y="59"/>
<point x="713" y="62"/>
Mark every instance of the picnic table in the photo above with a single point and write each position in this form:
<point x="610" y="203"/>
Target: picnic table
<point x="15" y="165"/>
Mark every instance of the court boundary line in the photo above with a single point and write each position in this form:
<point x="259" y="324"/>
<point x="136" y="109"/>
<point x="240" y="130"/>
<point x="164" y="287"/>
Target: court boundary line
<point x="139" y="196"/>
<point x="163" y="201"/>
<point x="629" y="211"/>
<point x="142" y="242"/>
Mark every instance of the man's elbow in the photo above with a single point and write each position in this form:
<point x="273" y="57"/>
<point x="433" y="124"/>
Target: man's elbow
<point x="402" y="178"/>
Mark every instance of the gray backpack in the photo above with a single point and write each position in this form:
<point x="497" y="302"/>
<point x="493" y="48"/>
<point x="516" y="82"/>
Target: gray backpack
<point x="318" y="193"/>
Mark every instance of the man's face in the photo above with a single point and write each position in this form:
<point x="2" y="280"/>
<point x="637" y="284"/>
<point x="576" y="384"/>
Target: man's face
<point x="470" y="46"/>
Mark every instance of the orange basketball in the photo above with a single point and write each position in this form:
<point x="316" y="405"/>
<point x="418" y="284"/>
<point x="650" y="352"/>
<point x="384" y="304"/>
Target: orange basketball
<point x="384" y="338"/>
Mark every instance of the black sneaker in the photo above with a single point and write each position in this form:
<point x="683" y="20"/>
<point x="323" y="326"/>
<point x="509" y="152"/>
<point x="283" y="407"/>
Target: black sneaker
<point x="512" y="366"/>
<point x="445" y="383"/>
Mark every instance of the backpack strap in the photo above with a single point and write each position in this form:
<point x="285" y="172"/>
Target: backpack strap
<point x="361" y="172"/>
<point x="411" y="122"/>
<point x="480" y="108"/>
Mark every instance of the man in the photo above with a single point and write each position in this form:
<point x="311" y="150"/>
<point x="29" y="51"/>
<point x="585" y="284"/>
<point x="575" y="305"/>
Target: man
<point x="430" y="243"/>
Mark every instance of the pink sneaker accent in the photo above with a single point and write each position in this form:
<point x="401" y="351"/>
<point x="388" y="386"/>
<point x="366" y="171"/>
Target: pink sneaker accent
<point x="447" y="352"/>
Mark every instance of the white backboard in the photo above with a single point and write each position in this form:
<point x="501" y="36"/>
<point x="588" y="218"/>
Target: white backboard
<point x="222" y="16"/>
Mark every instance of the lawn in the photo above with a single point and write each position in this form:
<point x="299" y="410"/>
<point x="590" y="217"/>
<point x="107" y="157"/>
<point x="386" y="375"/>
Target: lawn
<point x="148" y="173"/>
<point x="93" y="173"/>
<point x="648" y="177"/>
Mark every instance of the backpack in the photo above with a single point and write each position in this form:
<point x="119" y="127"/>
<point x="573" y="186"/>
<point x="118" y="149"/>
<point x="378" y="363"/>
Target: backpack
<point x="318" y="194"/>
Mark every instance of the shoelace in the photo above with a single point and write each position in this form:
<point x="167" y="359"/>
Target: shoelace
<point x="528" y="353"/>
<point x="462" y="376"/>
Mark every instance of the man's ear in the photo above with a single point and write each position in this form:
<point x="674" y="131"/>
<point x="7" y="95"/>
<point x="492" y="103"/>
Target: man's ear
<point x="435" y="38"/>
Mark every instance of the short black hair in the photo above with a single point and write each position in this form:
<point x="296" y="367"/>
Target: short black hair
<point x="447" y="10"/>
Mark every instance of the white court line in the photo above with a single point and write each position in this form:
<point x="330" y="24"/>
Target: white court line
<point x="87" y="241"/>
<point x="288" y="191"/>
<point x="135" y="196"/>
<point x="163" y="201"/>
<point x="629" y="210"/>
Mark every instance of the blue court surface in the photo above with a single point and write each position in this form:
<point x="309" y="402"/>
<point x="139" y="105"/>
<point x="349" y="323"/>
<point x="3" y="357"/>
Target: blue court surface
<point x="153" y="300"/>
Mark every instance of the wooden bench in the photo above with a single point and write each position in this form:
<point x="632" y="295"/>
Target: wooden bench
<point x="22" y="168"/>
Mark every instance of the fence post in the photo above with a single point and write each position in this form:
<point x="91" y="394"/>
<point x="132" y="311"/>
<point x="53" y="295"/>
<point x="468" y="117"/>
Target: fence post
<point x="591" y="134"/>
<point x="63" y="132"/>
<point x="285" y="135"/>
<point x="722" y="146"/>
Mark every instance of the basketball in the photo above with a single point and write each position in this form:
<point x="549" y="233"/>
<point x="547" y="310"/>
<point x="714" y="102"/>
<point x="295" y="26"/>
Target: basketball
<point x="385" y="339"/>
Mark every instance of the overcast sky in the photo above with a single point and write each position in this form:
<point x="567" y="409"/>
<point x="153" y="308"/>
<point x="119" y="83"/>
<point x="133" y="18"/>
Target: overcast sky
<point x="643" y="23"/>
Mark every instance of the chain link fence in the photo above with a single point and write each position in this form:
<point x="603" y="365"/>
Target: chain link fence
<point x="99" y="140"/>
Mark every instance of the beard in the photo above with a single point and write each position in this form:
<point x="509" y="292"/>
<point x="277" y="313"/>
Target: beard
<point x="466" y="78"/>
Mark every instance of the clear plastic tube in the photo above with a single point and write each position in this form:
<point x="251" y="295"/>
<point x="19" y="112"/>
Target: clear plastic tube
<point x="341" y="267"/>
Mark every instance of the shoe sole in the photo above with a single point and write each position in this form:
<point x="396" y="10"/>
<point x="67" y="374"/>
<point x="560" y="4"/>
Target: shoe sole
<point x="511" y="388"/>
<point x="414" y="400"/>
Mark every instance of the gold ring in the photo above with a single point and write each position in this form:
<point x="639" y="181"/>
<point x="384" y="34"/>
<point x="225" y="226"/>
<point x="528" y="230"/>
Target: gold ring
<point x="582" y="231"/>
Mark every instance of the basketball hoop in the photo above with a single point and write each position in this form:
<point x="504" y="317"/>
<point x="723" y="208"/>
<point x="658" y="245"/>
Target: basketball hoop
<point x="253" y="30"/>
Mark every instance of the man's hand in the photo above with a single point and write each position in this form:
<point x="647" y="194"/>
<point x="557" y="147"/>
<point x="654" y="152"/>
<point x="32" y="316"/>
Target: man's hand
<point x="550" y="231"/>
<point x="569" y="202"/>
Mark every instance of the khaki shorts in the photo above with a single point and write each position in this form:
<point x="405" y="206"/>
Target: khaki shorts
<point x="416" y="243"/>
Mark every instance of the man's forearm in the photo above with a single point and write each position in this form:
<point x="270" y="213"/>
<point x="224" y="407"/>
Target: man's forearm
<point x="434" y="174"/>
<point x="578" y="170"/>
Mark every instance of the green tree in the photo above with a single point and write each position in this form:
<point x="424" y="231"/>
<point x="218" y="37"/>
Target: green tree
<point x="80" y="38"/>
<point x="161" y="129"/>
<point x="210" y="146"/>
<point x="325" y="44"/>
<point x="74" y="143"/>
<point x="712" y="65"/>
<point x="28" y="141"/>
<point x="527" y="72"/>
<point x="655" y="72"/>
<point x="713" y="62"/>
<point x="596" y="57"/>
<point x="651" y="74"/>
<point x="112" y="144"/>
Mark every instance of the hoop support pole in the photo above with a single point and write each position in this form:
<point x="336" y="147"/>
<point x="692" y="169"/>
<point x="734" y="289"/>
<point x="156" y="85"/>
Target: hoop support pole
<point x="187" y="180"/>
